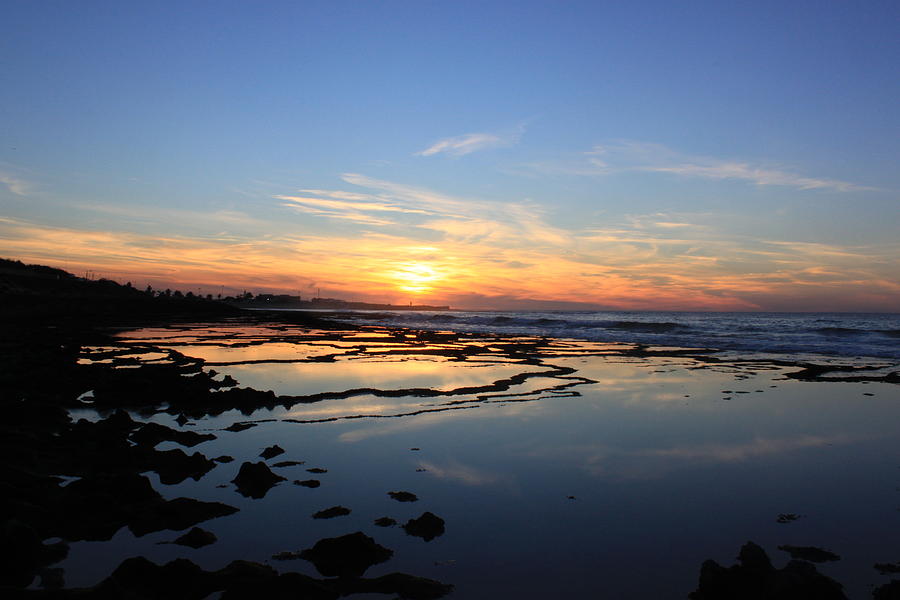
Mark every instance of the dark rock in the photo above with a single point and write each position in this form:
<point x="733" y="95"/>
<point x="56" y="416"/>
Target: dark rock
<point x="151" y="434"/>
<point x="181" y="420"/>
<point x="346" y="556"/>
<point x="787" y="517"/>
<point x="403" y="496"/>
<point x="224" y="459"/>
<point x="196" y="538"/>
<point x="117" y="488"/>
<point x="140" y="578"/>
<point x="887" y="568"/>
<point x="385" y="522"/>
<point x="330" y="513"/>
<point x="405" y="586"/>
<point x="428" y="526"/>
<point x="174" y="466"/>
<point x="289" y="463"/>
<point x="888" y="591"/>
<point x="317" y="470"/>
<point x="286" y="556"/>
<point x="254" y="480"/>
<point x="756" y="579"/>
<point x="310" y="483"/>
<point x="272" y="451"/>
<point x="236" y="427"/>
<point x="177" y="514"/>
<point x="52" y="579"/>
<point x="810" y="553"/>
<point x="25" y="554"/>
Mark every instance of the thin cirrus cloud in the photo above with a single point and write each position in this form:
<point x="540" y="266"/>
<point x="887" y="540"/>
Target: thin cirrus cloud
<point x="634" y="156"/>
<point x="472" y="142"/>
<point x="14" y="184"/>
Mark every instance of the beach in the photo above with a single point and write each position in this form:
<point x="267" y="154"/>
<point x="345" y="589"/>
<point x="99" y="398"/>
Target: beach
<point x="554" y="467"/>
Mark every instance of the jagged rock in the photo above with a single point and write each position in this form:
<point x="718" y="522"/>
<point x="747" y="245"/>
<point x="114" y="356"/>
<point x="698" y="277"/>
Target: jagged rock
<point x="197" y="538"/>
<point x="272" y="451"/>
<point x="346" y="556"/>
<point x="140" y="579"/>
<point x="428" y="526"/>
<point x="174" y="466"/>
<point x="756" y="579"/>
<point x="177" y="514"/>
<point x="254" y="480"/>
<point x="151" y="434"/>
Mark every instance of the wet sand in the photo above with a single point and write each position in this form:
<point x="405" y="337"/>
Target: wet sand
<point x="500" y="466"/>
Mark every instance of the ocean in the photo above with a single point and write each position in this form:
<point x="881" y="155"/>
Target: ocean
<point x="856" y="335"/>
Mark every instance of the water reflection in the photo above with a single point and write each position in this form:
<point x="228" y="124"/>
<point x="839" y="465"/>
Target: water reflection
<point x="581" y="483"/>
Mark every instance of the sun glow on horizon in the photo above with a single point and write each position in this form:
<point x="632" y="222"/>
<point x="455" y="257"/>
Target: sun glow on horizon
<point x="416" y="277"/>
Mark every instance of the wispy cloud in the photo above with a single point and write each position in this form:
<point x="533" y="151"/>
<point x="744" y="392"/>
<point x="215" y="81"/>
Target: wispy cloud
<point x="633" y="156"/>
<point x="472" y="142"/>
<point x="14" y="184"/>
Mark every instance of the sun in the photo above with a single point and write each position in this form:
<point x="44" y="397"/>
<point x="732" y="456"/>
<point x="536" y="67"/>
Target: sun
<point x="416" y="277"/>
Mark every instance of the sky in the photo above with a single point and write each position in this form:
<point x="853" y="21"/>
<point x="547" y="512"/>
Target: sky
<point x="486" y="155"/>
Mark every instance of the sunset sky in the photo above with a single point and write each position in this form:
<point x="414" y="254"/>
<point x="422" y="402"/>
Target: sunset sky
<point x="643" y="155"/>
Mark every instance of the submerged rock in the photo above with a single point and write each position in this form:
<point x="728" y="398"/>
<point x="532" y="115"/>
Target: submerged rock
<point x="787" y="517"/>
<point x="254" y="480"/>
<point x="385" y="522"/>
<point x="235" y="427"/>
<point x="310" y="483"/>
<point x="887" y="568"/>
<point x="810" y="553"/>
<point x="346" y="556"/>
<point x="289" y="463"/>
<point x="428" y="526"/>
<point x="403" y="496"/>
<point x="330" y="513"/>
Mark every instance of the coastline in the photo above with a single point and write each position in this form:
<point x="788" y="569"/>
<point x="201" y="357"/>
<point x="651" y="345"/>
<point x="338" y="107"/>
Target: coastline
<point x="443" y="383"/>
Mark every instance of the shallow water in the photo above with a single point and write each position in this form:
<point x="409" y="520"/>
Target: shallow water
<point x="616" y="481"/>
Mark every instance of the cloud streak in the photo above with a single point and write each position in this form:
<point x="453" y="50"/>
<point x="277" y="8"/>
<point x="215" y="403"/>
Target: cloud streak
<point x="473" y="142"/>
<point x="644" y="157"/>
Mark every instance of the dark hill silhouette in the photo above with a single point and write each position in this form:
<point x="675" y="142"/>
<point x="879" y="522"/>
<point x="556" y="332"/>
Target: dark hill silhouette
<point x="54" y="295"/>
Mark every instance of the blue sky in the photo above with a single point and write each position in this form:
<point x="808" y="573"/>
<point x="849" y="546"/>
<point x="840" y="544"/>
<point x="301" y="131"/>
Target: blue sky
<point x="702" y="155"/>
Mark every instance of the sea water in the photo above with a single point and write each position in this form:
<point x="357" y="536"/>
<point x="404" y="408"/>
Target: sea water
<point x="832" y="334"/>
